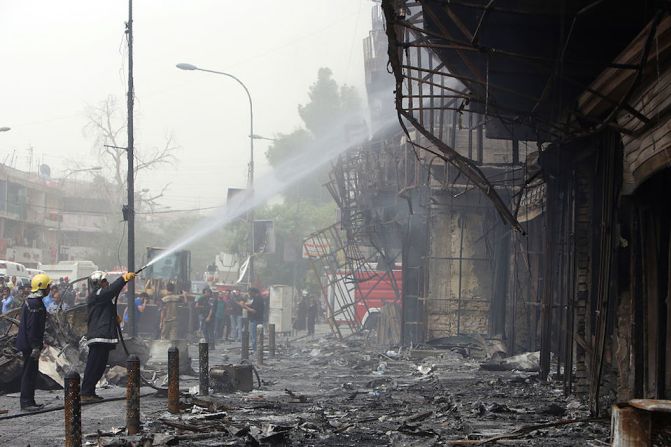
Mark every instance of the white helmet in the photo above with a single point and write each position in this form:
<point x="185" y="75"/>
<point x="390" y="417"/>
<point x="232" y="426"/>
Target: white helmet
<point x="96" y="279"/>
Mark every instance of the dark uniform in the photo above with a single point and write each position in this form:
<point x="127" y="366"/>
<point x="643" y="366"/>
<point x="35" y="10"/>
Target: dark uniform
<point x="30" y="341"/>
<point x="101" y="334"/>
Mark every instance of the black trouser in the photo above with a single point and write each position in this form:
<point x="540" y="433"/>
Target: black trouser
<point x="28" y="379"/>
<point x="96" y="362"/>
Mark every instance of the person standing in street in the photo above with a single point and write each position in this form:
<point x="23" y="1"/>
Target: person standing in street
<point x="169" y="314"/>
<point x="255" y="311"/>
<point x="313" y="311"/>
<point x="101" y="335"/>
<point x="220" y="316"/>
<point x="236" y="315"/>
<point x="30" y="339"/>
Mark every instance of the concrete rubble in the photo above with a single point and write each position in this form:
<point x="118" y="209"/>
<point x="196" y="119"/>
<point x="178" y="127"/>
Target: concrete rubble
<point x="325" y="391"/>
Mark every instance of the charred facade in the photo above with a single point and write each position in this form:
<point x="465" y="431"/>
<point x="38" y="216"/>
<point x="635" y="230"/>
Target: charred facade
<point x="521" y="187"/>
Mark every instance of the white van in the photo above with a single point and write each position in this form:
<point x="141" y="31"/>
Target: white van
<point x="72" y="269"/>
<point x="9" y="269"/>
<point x="33" y="272"/>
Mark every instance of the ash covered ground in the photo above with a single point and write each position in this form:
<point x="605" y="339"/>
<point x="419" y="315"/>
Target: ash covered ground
<point x="326" y="392"/>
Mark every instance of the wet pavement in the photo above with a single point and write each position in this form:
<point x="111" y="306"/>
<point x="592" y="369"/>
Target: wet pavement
<point x="321" y="391"/>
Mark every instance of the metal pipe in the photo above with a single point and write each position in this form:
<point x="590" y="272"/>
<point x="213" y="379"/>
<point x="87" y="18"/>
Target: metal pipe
<point x="133" y="395"/>
<point x="204" y="368"/>
<point x="271" y="340"/>
<point x="461" y="260"/>
<point x="259" y="344"/>
<point x="173" y="380"/>
<point x="72" y="411"/>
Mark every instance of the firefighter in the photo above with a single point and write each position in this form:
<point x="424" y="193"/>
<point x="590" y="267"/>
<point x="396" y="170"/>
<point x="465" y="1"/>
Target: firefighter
<point x="101" y="335"/>
<point x="30" y="339"/>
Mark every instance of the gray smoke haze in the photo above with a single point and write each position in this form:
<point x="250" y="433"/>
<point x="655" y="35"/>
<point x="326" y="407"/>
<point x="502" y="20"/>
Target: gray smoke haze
<point x="60" y="57"/>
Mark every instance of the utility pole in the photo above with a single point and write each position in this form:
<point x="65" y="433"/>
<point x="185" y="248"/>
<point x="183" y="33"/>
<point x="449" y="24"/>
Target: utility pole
<point x="250" y="185"/>
<point x="131" y="175"/>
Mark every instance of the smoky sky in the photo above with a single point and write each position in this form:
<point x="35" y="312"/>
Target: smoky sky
<point x="58" y="58"/>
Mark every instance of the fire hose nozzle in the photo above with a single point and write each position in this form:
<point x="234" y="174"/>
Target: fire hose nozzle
<point x="137" y="272"/>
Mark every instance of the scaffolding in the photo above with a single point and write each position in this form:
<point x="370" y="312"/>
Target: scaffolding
<point x="340" y="266"/>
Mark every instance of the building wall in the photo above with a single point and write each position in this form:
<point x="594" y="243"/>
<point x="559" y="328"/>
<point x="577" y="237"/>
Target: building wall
<point x="39" y="216"/>
<point x="460" y="270"/>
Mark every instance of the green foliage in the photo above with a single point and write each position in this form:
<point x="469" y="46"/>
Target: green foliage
<point x="293" y="222"/>
<point x="324" y="106"/>
<point x="329" y="110"/>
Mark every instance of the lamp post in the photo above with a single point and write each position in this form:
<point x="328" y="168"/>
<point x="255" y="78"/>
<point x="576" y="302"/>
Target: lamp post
<point x="261" y="137"/>
<point x="250" y="172"/>
<point x="74" y="171"/>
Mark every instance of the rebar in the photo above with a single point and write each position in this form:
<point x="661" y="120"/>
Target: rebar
<point x="259" y="344"/>
<point x="72" y="411"/>
<point x="133" y="395"/>
<point x="271" y="340"/>
<point x="204" y="368"/>
<point x="173" y="380"/>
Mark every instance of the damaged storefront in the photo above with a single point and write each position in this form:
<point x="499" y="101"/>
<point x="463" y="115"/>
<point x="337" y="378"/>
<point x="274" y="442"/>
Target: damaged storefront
<point x="535" y="139"/>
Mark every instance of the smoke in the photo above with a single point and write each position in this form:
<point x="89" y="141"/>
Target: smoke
<point x="307" y="161"/>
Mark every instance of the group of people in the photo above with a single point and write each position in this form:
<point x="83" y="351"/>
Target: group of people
<point x="60" y="295"/>
<point x="102" y="332"/>
<point x="220" y="315"/>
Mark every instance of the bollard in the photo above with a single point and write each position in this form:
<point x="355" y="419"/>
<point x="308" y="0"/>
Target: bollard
<point x="244" y="333"/>
<point x="244" y="348"/>
<point x="259" y="344"/>
<point x="173" y="380"/>
<point x="271" y="340"/>
<point x="204" y="365"/>
<point x="133" y="395"/>
<point x="73" y="411"/>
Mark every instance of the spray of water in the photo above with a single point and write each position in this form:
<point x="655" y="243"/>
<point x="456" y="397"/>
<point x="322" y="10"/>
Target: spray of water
<point x="292" y="171"/>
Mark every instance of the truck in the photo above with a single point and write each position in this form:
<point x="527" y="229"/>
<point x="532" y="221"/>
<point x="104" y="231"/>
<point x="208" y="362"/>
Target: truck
<point x="71" y="269"/>
<point x="174" y="268"/>
<point x="368" y="292"/>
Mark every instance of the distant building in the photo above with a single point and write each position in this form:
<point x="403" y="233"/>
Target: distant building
<point x="45" y="220"/>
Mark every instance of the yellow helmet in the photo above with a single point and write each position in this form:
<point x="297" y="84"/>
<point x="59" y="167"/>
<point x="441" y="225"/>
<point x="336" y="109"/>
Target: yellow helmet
<point x="40" y="282"/>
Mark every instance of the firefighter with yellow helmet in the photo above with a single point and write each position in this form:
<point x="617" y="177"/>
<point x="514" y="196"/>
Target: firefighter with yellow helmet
<point x="30" y="338"/>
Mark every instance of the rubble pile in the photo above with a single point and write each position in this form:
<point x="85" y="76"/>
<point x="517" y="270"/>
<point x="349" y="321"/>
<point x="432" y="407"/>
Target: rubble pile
<point x="329" y="392"/>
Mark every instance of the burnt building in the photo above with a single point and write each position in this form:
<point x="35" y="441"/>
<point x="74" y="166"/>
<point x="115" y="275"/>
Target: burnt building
<point x="517" y="175"/>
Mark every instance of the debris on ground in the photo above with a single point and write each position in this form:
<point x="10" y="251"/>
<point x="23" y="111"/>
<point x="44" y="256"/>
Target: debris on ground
<point x="528" y="362"/>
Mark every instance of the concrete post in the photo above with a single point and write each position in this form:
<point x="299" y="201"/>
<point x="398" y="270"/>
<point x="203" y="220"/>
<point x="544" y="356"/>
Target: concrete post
<point x="133" y="395"/>
<point x="72" y="411"/>
<point x="271" y="340"/>
<point x="259" y="344"/>
<point x="173" y="380"/>
<point x="204" y="368"/>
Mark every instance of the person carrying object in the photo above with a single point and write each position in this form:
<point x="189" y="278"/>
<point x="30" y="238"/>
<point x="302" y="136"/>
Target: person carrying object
<point x="101" y="335"/>
<point x="30" y="339"/>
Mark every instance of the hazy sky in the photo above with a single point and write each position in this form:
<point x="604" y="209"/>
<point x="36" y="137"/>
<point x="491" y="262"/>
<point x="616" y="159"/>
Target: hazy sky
<point x="58" y="57"/>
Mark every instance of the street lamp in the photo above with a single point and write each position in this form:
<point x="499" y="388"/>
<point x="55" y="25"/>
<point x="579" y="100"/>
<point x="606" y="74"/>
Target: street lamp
<point x="260" y="137"/>
<point x="250" y="173"/>
<point x="74" y="171"/>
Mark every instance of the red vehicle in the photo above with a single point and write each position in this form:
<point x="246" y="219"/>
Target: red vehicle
<point x="373" y="291"/>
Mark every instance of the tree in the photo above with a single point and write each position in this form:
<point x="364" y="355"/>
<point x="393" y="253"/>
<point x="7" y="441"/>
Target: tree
<point x="326" y="117"/>
<point x="293" y="222"/>
<point x="106" y="126"/>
